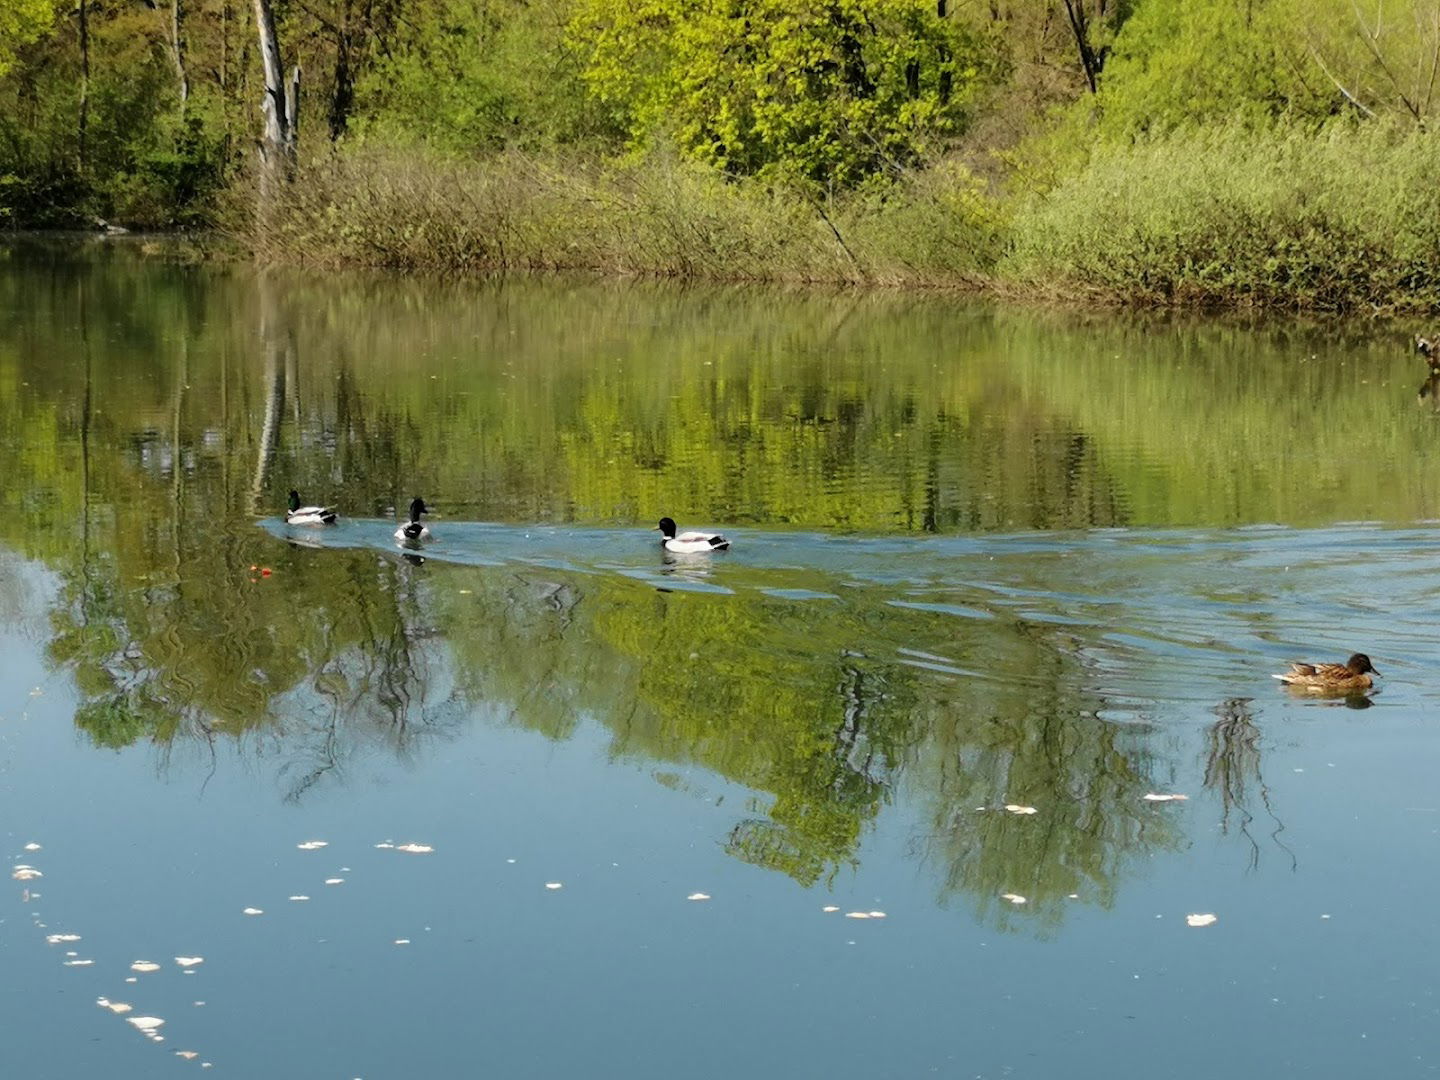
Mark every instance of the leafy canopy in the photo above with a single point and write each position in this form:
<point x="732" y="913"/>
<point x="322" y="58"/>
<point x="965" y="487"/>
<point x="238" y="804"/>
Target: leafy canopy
<point x="21" y="22"/>
<point x="833" y="91"/>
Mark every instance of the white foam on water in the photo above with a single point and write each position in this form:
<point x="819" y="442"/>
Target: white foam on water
<point x="1014" y="898"/>
<point x="1016" y="808"/>
<point x="145" y="1023"/>
<point x="313" y="845"/>
<point x="144" y="966"/>
<point x="189" y="961"/>
<point x="253" y="911"/>
<point x="698" y="896"/>
<point x="554" y="885"/>
<point x="415" y="849"/>
<point x="1206" y="919"/>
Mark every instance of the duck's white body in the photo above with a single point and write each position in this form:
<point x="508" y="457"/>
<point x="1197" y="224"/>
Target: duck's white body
<point x="413" y="530"/>
<point x="308" y="515"/>
<point x="690" y="543"/>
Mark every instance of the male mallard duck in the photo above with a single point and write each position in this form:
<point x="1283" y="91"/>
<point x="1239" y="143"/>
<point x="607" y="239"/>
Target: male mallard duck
<point x="308" y="515"/>
<point x="1348" y="677"/>
<point x="691" y="542"/>
<point x="1430" y="350"/>
<point x="412" y="529"/>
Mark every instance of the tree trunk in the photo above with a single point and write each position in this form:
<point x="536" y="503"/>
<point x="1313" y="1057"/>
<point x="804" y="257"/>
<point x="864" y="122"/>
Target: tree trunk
<point x="1080" y="26"/>
<point x="342" y="101"/>
<point x="84" y="79"/>
<point x="277" y="148"/>
<point x="177" y="50"/>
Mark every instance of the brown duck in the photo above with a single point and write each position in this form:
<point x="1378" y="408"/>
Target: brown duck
<point x="1429" y="348"/>
<point x="1349" y="677"/>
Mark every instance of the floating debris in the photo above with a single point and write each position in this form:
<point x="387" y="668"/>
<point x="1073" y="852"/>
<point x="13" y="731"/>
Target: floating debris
<point x="118" y="1007"/>
<point x="131" y="979"/>
<point x="402" y="941"/>
<point x="299" y="899"/>
<point x="144" y="966"/>
<point x="1014" y="898"/>
<point x="334" y="881"/>
<point x="511" y="861"/>
<point x="878" y="915"/>
<point x="1153" y="797"/>
<point x="1016" y="808"/>
<point x="698" y="896"/>
<point x="188" y="1055"/>
<point x="253" y="911"/>
<point x="26" y="873"/>
<point x="146" y="1023"/>
<point x="32" y="847"/>
<point x="1199" y="920"/>
<point x="828" y="908"/>
<point x="313" y="845"/>
<point x="857" y="914"/>
<point x="415" y="849"/>
<point x="56" y="939"/>
<point x="384" y="845"/>
<point x="554" y="885"/>
<point x="189" y="961"/>
<point x="78" y="963"/>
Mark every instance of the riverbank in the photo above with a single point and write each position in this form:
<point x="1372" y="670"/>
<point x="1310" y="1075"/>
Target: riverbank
<point x="1342" y="219"/>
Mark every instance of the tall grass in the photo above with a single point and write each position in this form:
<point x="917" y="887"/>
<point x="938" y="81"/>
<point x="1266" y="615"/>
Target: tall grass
<point x="1344" y="218"/>
<point x="658" y="216"/>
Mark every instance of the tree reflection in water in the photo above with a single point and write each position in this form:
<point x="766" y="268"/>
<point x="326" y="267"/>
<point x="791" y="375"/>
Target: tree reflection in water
<point x="1232" y="771"/>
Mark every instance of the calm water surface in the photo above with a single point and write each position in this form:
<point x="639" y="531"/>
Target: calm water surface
<point x="982" y="558"/>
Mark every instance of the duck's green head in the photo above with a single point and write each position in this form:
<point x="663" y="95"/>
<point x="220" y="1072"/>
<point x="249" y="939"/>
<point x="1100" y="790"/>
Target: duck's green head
<point x="666" y="527"/>
<point x="1360" y="664"/>
<point x="418" y="507"/>
<point x="294" y="500"/>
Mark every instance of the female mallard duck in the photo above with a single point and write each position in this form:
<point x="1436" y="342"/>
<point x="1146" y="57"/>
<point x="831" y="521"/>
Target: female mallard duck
<point x="1430" y="350"/>
<point x="308" y="515"/>
<point x="689" y="543"/>
<point x="412" y="529"/>
<point x="1348" y="677"/>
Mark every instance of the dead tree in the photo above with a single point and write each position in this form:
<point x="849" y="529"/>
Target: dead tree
<point x="281" y="105"/>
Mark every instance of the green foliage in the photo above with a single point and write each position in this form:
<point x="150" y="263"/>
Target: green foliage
<point x="22" y="22"/>
<point x="834" y="92"/>
<point x="472" y="75"/>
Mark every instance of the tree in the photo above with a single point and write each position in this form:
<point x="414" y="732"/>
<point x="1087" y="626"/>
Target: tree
<point x="282" y="103"/>
<point x="833" y="92"/>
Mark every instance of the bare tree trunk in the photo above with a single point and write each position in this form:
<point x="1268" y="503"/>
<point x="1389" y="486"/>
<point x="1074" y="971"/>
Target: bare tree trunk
<point x="277" y="148"/>
<point x="342" y="101"/>
<point x="177" y="50"/>
<point x="1080" y="26"/>
<point x="84" y="78"/>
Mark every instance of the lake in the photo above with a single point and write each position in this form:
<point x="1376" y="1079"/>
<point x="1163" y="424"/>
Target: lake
<point x="883" y="791"/>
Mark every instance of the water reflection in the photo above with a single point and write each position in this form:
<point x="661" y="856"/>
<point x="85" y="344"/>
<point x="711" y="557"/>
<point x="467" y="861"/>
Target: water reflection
<point x="825" y="673"/>
<point x="1233" y="772"/>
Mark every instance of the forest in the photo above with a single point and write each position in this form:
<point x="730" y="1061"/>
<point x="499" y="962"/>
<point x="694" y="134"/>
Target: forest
<point x="1272" y="153"/>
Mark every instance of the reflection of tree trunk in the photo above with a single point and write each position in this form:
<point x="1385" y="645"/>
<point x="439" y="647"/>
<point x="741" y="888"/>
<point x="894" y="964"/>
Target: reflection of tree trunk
<point x="272" y="341"/>
<point x="182" y="375"/>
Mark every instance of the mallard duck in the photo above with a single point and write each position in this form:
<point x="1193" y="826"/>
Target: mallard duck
<point x="1430" y="350"/>
<point x="308" y="515"/>
<point x="412" y="529"/>
<point x="689" y="543"/>
<point x="1348" y="677"/>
